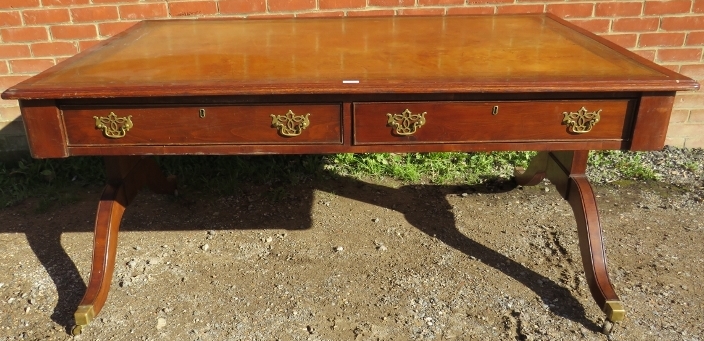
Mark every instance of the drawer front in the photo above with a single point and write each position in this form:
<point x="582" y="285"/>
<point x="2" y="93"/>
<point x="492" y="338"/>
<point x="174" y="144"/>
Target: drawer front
<point x="457" y="122"/>
<point x="255" y="124"/>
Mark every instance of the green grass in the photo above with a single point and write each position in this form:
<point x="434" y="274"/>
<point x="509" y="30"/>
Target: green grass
<point x="58" y="180"/>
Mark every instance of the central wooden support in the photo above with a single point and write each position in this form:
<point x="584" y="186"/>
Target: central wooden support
<point x="126" y="176"/>
<point x="566" y="170"/>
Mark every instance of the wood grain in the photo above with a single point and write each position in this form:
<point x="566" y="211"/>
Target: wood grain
<point x="511" y="53"/>
<point x="448" y="122"/>
<point x="154" y="125"/>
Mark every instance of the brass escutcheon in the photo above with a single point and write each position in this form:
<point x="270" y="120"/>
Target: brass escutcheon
<point x="406" y="123"/>
<point x="113" y="127"/>
<point x="582" y="121"/>
<point x="290" y="125"/>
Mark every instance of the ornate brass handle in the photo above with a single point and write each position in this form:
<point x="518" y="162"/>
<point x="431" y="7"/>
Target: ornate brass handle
<point x="406" y="123"/>
<point x="581" y="122"/>
<point x="290" y="125"/>
<point x="113" y="127"/>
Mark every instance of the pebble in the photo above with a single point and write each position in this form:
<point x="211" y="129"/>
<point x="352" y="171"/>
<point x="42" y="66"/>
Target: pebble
<point x="339" y="249"/>
<point x="160" y="323"/>
<point x="211" y="232"/>
<point x="464" y="194"/>
<point x="205" y="247"/>
<point x="132" y="263"/>
<point x="2" y="285"/>
<point x="376" y="220"/>
<point x="152" y="261"/>
<point x="381" y="247"/>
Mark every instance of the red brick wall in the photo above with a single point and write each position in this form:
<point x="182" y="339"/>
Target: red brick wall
<point x="36" y="34"/>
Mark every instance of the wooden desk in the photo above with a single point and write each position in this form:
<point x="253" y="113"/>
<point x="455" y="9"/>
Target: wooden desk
<point x="397" y="84"/>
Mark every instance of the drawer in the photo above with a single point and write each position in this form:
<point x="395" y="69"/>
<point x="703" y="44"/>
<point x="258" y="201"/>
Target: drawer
<point x="192" y="125"/>
<point x="457" y="122"/>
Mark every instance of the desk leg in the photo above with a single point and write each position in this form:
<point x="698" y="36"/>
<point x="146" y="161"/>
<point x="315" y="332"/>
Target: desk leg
<point x="566" y="171"/>
<point x="126" y="176"/>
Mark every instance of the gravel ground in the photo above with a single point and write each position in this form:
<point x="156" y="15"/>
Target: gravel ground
<point x="351" y="259"/>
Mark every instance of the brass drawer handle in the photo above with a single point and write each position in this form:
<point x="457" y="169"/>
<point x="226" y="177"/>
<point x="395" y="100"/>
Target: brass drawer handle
<point x="113" y="127"/>
<point x="290" y="125"/>
<point x="582" y="121"/>
<point x="406" y="123"/>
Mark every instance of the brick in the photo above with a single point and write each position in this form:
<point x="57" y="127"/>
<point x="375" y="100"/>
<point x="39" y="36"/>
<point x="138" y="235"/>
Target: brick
<point x="86" y="44"/>
<point x="698" y="6"/>
<point x="74" y="32"/>
<point x="675" y="68"/>
<point x="661" y="39"/>
<point x="32" y="66"/>
<point x="687" y="23"/>
<point x="674" y="141"/>
<point x="4" y="69"/>
<point x="12" y="113"/>
<point x="695" y="71"/>
<point x="290" y="5"/>
<point x="13" y="128"/>
<point x="115" y="1"/>
<point x="695" y="38"/>
<point x="519" y="9"/>
<point x="421" y="11"/>
<point x="667" y="7"/>
<point x="64" y="2"/>
<point x="53" y="49"/>
<point x="679" y="55"/>
<point x="593" y="25"/>
<point x="624" y="40"/>
<point x="7" y="81"/>
<point x="9" y="19"/>
<point x="686" y="130"/>
<point x="110" y="29"/>
<point x="694" y="142"/>
<point x="696" y="116"/>
<point x="335" y="4"/>
<point x="470" y="10"/>
<point x="679" y="116"/>
<point x="438" y="2"/>
<point x="271" y="15"/>
<point x="371" y="13"/>
<point x="22" y="34"/>
<point x="390" y="3"/>
<point x="143" y="11"/>
<point x="242" y="6"/>
<point x="7" y="4"/>
<point x="95" y="13"/>
<point x="192" y="8"/>
<point x="486" y="2"/>
<point x="321" y="14"/>
<point x="635" y="24"/>
<point x="618" y="9"/>
<point x="647" y="54"/>
<point x="14" y="51"/>
<point x="46" y="16"/>
<point x="580" y="10"/>
<point x="689" y="100"/>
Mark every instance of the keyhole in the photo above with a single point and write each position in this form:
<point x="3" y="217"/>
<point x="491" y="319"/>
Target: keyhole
<point x="495" y="110"/>
<point x="201" y="113"/>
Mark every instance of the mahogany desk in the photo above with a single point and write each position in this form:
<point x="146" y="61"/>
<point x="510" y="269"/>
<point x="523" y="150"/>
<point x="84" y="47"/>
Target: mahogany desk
<point x="349" y="85"/>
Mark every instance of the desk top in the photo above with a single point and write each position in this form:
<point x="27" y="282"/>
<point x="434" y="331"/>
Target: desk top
<point x="516" y="53"/>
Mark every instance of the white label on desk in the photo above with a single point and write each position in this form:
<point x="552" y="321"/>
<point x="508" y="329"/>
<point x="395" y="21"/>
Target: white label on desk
<point x="350" y="82"/>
